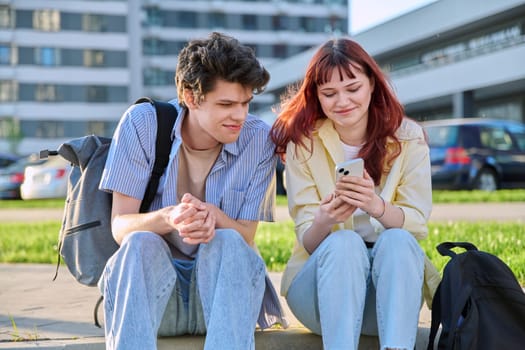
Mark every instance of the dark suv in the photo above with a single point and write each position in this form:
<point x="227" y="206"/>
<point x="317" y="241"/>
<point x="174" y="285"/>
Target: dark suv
<point x="476" y="153"/>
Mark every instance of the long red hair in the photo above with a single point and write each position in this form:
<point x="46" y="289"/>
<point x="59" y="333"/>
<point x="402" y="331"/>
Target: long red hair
<point x="300" y="107"/>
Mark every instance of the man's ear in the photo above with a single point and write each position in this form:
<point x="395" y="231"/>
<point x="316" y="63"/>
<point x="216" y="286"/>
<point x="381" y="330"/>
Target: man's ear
<point x="189" y="99"/>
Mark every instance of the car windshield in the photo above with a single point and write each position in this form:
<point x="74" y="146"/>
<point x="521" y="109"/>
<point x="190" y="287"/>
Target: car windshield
<point x="442" y="136"/>
<point x="519" y="133"/>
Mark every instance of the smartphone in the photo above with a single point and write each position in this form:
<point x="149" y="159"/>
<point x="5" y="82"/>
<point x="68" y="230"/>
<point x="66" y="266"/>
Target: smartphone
<point x="352" y="167"/>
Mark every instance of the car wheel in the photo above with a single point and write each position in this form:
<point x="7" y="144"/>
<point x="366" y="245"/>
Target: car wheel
<point x="486" y="180"/>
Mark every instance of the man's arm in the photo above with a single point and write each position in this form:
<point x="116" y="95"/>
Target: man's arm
<point x="126" y="218"/>
<point x="246" y="228"/>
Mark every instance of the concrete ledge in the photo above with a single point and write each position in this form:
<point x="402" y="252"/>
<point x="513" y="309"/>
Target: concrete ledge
<point x="293" y="338"/>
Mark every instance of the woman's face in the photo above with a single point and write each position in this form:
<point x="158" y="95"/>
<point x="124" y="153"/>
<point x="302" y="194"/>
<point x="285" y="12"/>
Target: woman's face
<point x="346" y="101"/>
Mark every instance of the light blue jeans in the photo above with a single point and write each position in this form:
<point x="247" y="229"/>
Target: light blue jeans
<point x="139" y="280"/>
<point x="345" y="289"/>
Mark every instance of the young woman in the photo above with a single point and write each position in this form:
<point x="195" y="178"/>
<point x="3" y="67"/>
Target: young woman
<point x="357" y="266"/>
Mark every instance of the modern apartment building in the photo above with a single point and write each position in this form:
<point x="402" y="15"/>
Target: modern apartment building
<point x="71" y="67"/>
<point x="450" y="58"/>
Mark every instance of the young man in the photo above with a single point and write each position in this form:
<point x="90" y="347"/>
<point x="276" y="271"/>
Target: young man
<point x="187" y="266"/>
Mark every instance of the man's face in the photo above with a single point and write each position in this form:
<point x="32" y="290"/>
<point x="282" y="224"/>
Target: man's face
<point x="219" y="117"/>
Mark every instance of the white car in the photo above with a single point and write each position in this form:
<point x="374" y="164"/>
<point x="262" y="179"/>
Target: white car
<point x="47" y="180"/>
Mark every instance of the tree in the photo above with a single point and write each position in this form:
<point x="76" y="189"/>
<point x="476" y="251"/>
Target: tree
<point x="11" y="132"/>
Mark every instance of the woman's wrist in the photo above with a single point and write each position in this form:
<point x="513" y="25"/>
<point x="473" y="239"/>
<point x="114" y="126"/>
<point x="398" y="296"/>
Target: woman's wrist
<point x="382" y="211"/>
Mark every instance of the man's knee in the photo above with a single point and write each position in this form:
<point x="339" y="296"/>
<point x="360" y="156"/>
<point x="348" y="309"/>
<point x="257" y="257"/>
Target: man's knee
<point x="227" y="239"/>
<point x="144" y="243"/>
<point x="228" y="244"/>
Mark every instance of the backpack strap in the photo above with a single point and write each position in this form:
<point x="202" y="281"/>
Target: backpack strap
<point x="166" y="115"/>
<point x="435" y="320"/>
<point x="445" y="248"/>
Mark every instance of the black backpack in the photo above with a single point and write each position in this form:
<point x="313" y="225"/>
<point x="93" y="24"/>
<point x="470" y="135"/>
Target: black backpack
<point x="85" y="241"/>
<point x="479" y="302"/>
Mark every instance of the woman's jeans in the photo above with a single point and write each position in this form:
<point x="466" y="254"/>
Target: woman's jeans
<point x="345" y="289"/>
<point x="139" y="281"/>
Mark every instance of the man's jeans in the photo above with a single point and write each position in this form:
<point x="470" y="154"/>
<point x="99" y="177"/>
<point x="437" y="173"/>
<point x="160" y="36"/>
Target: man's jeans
<point x="139" y="280"/>
<point x="328" y="295"/>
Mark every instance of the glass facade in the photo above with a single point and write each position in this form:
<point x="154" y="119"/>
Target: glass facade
<point x="50" y="129"/>
<point x="69" y="93"/>
<point x="457" y="49"/>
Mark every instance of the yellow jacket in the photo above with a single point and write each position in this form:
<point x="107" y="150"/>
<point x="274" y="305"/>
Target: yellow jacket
<point x="407" y="184"/>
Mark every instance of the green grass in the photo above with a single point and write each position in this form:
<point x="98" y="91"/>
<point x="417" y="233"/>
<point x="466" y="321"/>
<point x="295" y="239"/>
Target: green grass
<point x="36" y="242"/>
<point x="33" y="242"/>
<point x="32" y="203"/>
<point x="517" y="195"/>
<point x="478" y="196"/>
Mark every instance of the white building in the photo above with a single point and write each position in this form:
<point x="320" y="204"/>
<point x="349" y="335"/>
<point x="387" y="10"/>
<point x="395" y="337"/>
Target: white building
<point x="451" y="58"/>
<point x="70" y="68"/>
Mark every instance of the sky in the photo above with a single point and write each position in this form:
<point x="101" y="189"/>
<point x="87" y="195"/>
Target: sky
<point x="368" y="13"/>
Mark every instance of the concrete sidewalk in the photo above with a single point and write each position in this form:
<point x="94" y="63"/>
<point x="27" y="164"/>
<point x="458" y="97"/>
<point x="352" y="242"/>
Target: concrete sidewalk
<point x="58" y="314"/>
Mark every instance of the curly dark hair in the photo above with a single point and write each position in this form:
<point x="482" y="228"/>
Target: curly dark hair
<point x="203" y="61"/>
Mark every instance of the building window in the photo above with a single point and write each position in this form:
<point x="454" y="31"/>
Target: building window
<point x="5" y="54"/>
<point x="101" y="128"/>
<point x="97" y="94"/>
<point x="217" y="20"/>
<point x="280" y="22"/>
<point x="49" y="129"/>
<point x="8" y="90"/>
<point x="153" y="17"/>
<point x="46" y="20"/>
<point x="93" y="23"/>
<point x="186" y="19"/>
<point x="502" y="110"/>
<point x="249" y="22"/>
<point x="311" y="24"/>
<point x="93" y="58"/>
<point x="279" y="50"/>
<point x="158" y="77"/>
<point x="5" y="17"/>
<point x="47" y="56"/>
<point x="172" y="47"/>
<point x="46" y="93"/>
<point x="153" y="46"/>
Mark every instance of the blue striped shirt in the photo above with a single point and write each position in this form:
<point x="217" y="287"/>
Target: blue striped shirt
<point x="241" y="182"/>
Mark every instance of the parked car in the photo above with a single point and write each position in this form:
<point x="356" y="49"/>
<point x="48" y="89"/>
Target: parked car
<point x="12" y="176"/>
<point x="280" y="178"/>
<point x="46" y="180"/>
<point x="7" y="159"/>
<point x="476" y="153"/>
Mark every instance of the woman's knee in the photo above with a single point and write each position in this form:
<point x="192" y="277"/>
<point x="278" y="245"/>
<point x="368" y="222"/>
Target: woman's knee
<point x="398" y="244"/>
<point x="343" y="240"/>
<point x="342" y="244"/>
